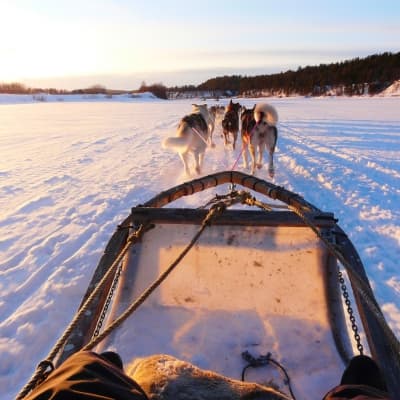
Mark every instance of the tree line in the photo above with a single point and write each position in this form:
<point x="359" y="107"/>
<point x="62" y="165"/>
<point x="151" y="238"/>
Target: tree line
<point x="19" y="88"/>
<point x="375" y="72"/>
<point x="358" y="76"/>
<point x="158" y="89"/>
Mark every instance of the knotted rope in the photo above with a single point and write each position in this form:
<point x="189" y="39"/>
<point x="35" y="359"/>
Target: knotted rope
<point x="42" y="369"/>
<point x="215" y="210"/>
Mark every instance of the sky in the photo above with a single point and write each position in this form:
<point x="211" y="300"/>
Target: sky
<point x="71" y="44"/>
<point x="71" y="170"/>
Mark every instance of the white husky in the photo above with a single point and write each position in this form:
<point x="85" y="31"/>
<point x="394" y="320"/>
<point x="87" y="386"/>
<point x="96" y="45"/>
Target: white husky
<point x="192" y="137"/>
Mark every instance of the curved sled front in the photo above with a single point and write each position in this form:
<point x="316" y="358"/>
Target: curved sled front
<point x="255" y="281"/>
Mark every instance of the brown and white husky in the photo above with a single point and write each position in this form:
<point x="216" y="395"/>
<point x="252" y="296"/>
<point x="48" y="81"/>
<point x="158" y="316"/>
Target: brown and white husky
<point x="259" y="131"/>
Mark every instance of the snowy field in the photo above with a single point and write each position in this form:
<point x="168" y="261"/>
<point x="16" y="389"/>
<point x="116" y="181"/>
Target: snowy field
<point x="71" y="170"/>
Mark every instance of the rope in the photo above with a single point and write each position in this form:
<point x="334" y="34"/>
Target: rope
<point x="252" y="201"/>
<point x="40" y="372"/>
<point x="262" y="361"/>
<point x="238" y="157"/>
<point x="215" y="210"/>
<point x="201" y="137"/>
<point x="243" y="149"/>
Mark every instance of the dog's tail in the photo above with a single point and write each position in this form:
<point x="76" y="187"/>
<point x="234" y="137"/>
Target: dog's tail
<point x="267" y="113"/>
<point x="177" y="143"/>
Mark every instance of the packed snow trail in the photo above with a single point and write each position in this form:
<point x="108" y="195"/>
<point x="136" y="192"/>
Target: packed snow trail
<point x="70" y="172"/>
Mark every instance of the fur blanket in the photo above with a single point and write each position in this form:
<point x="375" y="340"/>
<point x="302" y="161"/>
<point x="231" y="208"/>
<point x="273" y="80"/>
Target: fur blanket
<point x="163" y="377"/>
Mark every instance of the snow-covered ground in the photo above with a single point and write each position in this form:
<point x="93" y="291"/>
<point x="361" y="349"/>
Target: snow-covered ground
<point x="71" y="170"/>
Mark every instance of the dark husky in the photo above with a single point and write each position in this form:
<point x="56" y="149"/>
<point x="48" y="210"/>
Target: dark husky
<point x="230" y="123"/>
<point x="259" y="131"/>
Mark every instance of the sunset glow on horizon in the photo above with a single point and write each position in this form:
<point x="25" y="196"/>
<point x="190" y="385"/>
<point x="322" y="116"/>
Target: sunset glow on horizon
<point x="64" y="44"/>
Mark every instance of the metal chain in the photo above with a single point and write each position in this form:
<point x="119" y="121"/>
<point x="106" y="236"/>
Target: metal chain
<point x="359" y="285"/>
<point x="108" y="301"/>
<point x="253" y="201"/>
<point x="351" y="313"/>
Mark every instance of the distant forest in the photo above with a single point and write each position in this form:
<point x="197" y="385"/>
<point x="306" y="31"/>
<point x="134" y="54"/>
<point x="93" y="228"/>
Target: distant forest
<point x="358" y="76"/>
<point x="352" y="77"/>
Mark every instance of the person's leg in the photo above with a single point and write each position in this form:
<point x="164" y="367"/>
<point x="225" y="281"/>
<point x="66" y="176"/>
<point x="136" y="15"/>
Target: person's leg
<point x="89" y="376"/>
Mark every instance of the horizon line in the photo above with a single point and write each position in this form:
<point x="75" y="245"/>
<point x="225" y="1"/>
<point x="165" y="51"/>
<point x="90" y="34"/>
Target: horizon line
<point x="212" y="73"/>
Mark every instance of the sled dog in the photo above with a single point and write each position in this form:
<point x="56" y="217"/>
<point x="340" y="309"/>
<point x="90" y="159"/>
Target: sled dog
<point x="208" y="115"/>
<point x="230" y="123"/>
<point x="259" y="132"/>
<point x="192" y="137"/>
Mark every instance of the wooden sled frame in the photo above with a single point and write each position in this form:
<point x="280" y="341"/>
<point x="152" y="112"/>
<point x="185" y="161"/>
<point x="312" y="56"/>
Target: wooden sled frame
<point x="380" y="342"/>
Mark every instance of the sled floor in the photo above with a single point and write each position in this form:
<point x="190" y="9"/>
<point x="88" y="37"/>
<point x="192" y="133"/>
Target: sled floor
<point x="268" y="288"/>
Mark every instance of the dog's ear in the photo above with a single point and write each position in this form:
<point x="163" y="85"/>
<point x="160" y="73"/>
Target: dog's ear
<point x="254" y="107"/>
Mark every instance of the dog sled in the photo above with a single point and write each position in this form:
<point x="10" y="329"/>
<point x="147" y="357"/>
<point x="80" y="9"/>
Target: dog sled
<point x="250" y="281"/>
